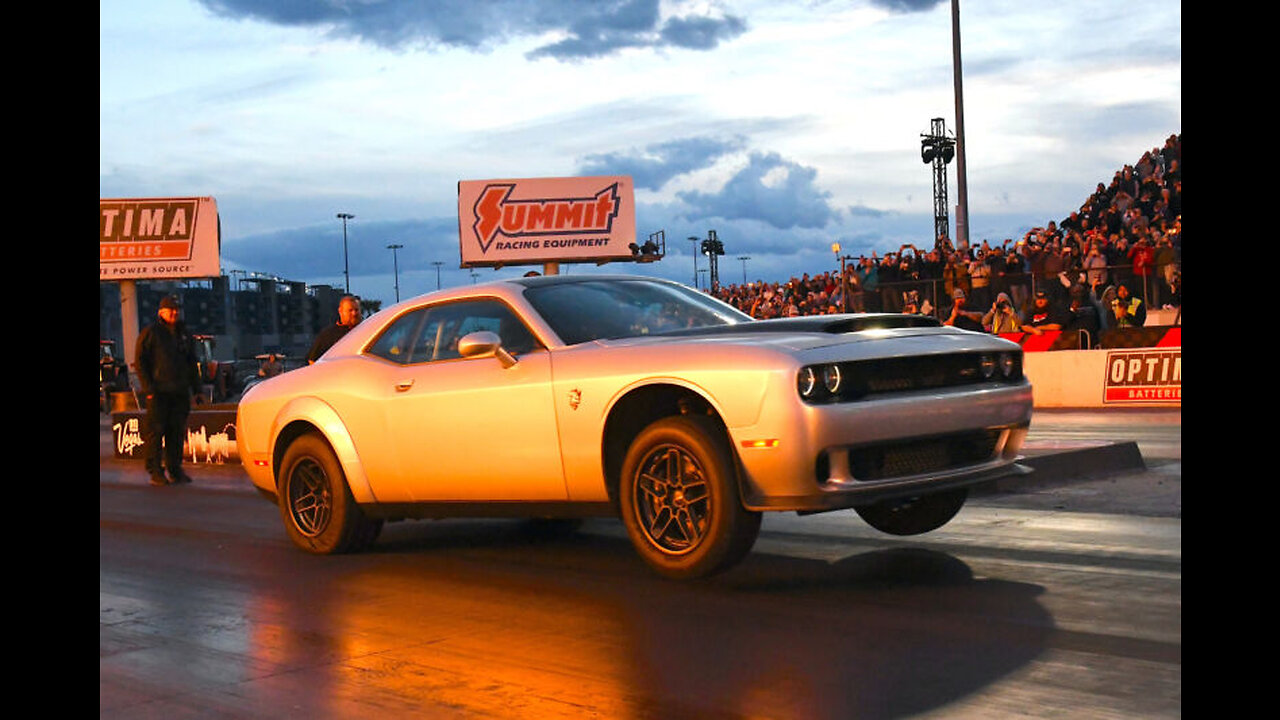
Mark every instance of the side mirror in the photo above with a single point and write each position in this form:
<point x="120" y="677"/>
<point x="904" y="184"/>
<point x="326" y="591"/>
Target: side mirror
<point x="483" y="342"/>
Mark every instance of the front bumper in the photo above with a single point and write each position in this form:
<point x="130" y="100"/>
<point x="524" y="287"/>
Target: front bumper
<point x="835" y="456"/>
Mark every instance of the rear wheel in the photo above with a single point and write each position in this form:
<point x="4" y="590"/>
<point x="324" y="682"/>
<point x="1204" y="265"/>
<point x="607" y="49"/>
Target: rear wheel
<point x="680" y="500"/>
<point x="316" y="505"/>
<point x="915" y="515"/>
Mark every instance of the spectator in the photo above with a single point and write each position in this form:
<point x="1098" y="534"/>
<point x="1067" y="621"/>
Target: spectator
<point x="1143" y="257"/>
<point x="1002" y="317"/>
<point x="1166" y="266"/>
<point x="1095" y="268"/>
<point x="980" y="279"/>
<point x="1175" y="291"/>
<point x="955" y="275"/>
<point x="1016" y="273"/>
<point x="1044" y="315"/>
<point x="1082" y="316"/>
<point x="270" y="367"/>
<point x="1127" y="310"/>
<point x="348" y="317"/>
<point x="961" y="317"/>
<point x="169" y="375"/>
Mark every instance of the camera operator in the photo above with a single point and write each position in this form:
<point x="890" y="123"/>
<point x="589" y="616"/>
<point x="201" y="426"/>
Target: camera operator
<point x="1002" y="317"/>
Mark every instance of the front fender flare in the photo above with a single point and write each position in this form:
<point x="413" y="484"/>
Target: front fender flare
<point x="321" y="416"/>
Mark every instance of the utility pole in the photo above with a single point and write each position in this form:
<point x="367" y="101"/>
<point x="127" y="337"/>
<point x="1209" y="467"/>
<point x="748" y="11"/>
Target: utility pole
<point x="437" y="263"/>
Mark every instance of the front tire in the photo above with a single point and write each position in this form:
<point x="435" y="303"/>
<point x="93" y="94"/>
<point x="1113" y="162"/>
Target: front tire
<point x="316" y="505"/>
<point x="915" y="515"/>
<point x="680" y="501"/>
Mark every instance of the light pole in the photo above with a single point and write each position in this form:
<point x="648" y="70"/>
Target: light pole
<point x="693" y="239"/>
<point x="744" y="259"/>
<point x="346" y="267"/>
<point x="962" y="182"/>
<point x="437" y="263"/>
<point x="395" y="263"/>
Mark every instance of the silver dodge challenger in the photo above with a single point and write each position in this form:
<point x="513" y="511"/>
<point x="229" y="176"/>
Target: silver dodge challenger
<point x="563" y="397"/>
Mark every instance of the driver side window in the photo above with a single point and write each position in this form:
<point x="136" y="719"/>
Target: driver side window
<point x="432" y="333"/>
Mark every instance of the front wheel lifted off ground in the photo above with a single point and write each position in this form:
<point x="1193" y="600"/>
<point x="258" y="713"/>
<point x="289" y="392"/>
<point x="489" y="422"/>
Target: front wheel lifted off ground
<point x="316" y="505"/>
<point x="680" y="501"/>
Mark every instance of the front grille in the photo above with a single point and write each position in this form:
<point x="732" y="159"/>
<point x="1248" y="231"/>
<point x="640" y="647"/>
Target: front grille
<point x="918" y="456"/>
<point x="866" y="378"/>
<point x="918" y="373"/>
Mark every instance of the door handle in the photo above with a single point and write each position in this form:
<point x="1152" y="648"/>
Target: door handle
<point x="404" y="385"/>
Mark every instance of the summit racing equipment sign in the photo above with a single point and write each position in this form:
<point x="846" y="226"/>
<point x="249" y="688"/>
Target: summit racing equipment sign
<point x="146" y="238"/>
<point x="530" y="221"/>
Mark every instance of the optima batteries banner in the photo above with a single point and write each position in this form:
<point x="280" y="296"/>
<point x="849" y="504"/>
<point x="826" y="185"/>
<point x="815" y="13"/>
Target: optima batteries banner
<point x="540" y="220"/>
<point x="146" y="238"/>
<point x="1149" y="375"/>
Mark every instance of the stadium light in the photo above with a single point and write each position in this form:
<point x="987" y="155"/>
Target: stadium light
<point x="346" y="266"/>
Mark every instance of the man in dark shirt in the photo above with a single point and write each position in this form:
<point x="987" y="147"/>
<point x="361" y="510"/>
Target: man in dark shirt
<point x="169" y="376"/>
<point x="348" y="316"/>
<point x="1082" y="315"/>
<point x="1044" y="316"/>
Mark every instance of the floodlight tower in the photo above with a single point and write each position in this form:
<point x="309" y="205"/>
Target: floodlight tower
<point x="939" y="149"/>
<point x="713" y="249"/>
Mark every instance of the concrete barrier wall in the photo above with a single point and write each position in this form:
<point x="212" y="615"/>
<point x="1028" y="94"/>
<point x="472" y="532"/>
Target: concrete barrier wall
<point x="1140" y="377"/>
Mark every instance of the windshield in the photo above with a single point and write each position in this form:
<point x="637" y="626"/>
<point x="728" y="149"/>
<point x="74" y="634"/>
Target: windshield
<point x="600" y="309"/>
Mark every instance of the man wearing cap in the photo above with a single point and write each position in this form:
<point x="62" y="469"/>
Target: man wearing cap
<point x="1044" y="315"/>
<point x="961" y="318"/>
<point x="169" y="375"/>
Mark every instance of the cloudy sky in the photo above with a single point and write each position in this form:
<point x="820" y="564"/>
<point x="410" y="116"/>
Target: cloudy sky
<point x="784" y="126"/>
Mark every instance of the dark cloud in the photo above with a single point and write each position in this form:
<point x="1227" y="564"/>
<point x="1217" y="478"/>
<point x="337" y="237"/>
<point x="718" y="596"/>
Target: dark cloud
<point x="592" y="28"/>
<point x="653" y="166"/>
<point x="907" y="6"/>
<point x="770" y="189"/>
<point x="869" y="212"/>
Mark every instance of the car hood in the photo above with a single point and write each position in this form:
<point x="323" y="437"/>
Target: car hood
<point x="803" y="333"/>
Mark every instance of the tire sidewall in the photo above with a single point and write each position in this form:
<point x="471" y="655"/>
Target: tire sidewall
<point x="332" y="539"/>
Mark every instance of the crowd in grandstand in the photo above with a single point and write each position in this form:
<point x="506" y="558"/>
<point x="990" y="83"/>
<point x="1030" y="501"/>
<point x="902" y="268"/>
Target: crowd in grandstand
<point x="1100" y="267"/>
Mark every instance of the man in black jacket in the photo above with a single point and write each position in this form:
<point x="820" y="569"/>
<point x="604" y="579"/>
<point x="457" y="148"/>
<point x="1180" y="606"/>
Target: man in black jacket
<point x="169" y="376"/>
<point x="348" y="317"/>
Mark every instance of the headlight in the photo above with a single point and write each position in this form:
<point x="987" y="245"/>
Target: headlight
<point x="807" y="383"/>
<point x="987" y="364"/>
<point x="1006" y="364"/>
<point x="820" y="382"/>
<point x="831" y="379"/>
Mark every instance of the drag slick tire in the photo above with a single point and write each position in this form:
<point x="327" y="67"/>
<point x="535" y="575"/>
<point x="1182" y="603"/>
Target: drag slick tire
<point x="315" y="503"/>
<point x="914" y="515"/>
<point x="680" y="502"/>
